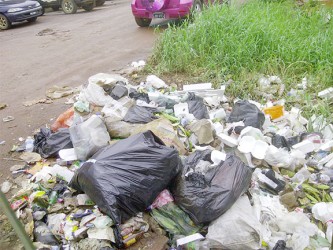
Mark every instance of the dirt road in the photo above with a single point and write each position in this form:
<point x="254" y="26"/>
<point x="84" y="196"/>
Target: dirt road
<point x="61" y="50"/>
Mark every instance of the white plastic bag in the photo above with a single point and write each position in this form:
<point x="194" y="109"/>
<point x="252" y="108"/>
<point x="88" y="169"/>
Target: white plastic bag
<point x="238" y="228"/>
<point x="88" y="137"/>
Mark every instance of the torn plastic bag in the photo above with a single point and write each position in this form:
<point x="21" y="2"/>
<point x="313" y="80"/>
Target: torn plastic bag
<point x="196" y="106"/>
<point x="166" y="102"/>
<point x="119" y="91"/>
<point x="238" y="228"/>
<point x="121" y="129"/>
<point x="171" y="217"/>
<point x="89" y="136"/>
<point x="44" y="235"/>
<point x="164" y="130"/>
<point x="140" y="114"/>
<point x="248" y="113"/>
<point x="280" y="141"/>
<point x="48" y="144"/>
<point x="125" y="178"/>
<point x="139" y="96"/>
<point x="206" y="197"/>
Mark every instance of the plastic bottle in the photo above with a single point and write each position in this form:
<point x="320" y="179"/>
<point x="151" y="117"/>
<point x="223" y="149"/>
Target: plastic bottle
<point x="53" y="197"/>
<point x="29" y="144"/>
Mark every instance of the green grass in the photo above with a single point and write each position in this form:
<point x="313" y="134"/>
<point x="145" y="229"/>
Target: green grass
<point x="242" y="43"/>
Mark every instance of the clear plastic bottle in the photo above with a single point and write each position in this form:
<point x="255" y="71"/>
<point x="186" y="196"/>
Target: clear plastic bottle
<point x="29" y="144"/>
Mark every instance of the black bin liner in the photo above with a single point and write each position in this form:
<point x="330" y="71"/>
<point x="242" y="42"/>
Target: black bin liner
<point x="125" y="178"/>
<point x="248" y="113"/>
<point x="48" y="144"/>
<point x="197" y="107"/>
<point x="208" y="197"/>
<point x="140" y="114"/>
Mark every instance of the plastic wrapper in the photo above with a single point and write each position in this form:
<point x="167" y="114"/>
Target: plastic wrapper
<point x="248" y="113"/>
<point x="64" y="120"/>
<point x="48" y="144"/>
<point x="89" y="136"/>
<point x="206" y="197"/>
<point x="140" y="114"/>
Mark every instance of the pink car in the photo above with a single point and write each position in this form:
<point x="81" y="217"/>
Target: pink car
<point x="145" y="10"/>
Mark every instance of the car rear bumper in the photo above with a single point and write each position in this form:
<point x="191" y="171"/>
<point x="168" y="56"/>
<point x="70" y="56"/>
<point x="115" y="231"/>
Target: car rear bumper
<point x="181" y="11"/>
<point x="24" y="15"/>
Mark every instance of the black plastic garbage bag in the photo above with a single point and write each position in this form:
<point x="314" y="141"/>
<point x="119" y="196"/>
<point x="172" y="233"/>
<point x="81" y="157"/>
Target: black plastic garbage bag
<point x="280" y="141"/>
<point x="118" y="92"/>
<point x="48" y="144"/>
<point x="44" y="235"/>
<point x="140" y="114"/>
<point x="248" y="113"/>
<point x="223" y="185"/>
<point x="125" y="178"/>
<point x="138" y="96"/>
<point x="197" y="107"/>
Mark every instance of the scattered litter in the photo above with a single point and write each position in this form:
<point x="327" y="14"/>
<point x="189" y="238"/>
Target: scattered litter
<point x="57" y="92"/>
<point x="138" y="64"/>
<point x="6" y="186"/>
<point x="8" y="118"/>
<point x="30" y="157"/>
<point x="146" y="166"/>
<point x="37" y="101"/>
<point x="3" y="105"/>
<point x="327" y="93"/>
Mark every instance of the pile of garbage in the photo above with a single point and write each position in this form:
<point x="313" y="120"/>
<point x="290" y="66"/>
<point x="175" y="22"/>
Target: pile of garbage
<point x="149" y="167"/>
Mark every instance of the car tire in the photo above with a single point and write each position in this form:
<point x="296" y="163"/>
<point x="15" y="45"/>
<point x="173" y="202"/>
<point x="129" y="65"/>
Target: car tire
<point x="33" y="19"/>
<point x="88" y="7"/>
<point x="196" y="6"/>
<point x="143" y="22"/>
<point x="4" y="22"/>
<point x="100" y="2"/>
<point x="55" y="8"/>
<point x="69" y="6"/>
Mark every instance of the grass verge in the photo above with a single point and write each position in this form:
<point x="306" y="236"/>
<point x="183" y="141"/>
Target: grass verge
<point x="259" y="38"/>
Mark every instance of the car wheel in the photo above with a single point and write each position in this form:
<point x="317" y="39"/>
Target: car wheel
<point x="143" y="22"/>
<point x="55" y="8"/>
<point x="196" y="7"/>
<point x="33" y="19"/>
<point x="88" y="7"/>
<point x="4" y="22"/>
<point x="43" y="10"/>
<point x="69" y="6"/>
<point x="100" y="2"/>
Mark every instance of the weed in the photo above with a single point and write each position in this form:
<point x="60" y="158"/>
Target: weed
<point x="258" y="38"/>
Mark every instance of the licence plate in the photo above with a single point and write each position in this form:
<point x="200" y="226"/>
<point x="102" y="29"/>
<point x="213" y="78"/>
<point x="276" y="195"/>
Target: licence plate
<point x="33" y="13"/>
<point x="159" y="15"/>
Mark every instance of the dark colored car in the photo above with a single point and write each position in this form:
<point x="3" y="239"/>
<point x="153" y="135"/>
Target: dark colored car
<point x="12" y="11"/>
<point x="70" y="6"/>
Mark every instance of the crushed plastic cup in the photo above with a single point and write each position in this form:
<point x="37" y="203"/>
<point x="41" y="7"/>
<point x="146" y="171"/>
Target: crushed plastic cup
<point x="246" y="144"/>
<point x="259" y="150"/>
<point x="217" y="156"/>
